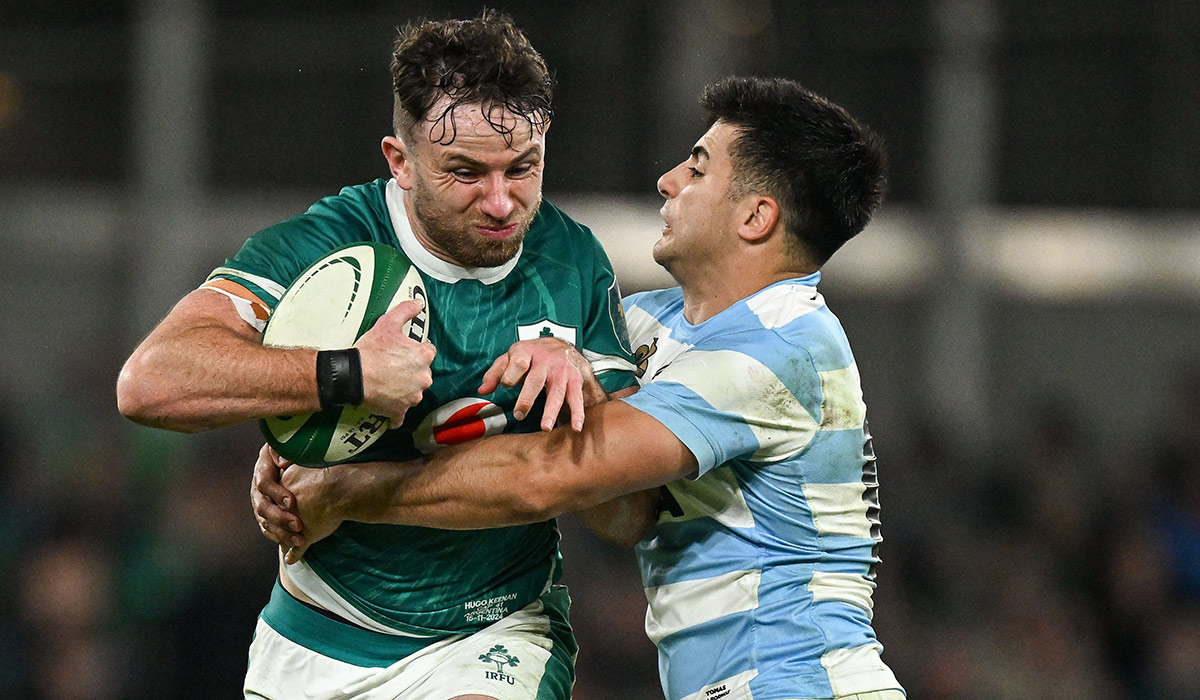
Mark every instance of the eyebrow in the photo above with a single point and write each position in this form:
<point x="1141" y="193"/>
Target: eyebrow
<point x="468" y="160"/>
<point x="699" y="152"/>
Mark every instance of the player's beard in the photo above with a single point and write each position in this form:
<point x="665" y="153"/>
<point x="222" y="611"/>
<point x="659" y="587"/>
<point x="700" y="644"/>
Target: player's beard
<point x="455" y="234"/>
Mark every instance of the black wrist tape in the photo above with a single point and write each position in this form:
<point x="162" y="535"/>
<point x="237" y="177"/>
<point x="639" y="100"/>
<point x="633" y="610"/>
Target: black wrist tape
<point x="339" y="378"/>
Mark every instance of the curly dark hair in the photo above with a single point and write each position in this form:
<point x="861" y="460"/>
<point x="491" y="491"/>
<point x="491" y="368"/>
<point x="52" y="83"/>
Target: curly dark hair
<point x="486" y="60"/>
<point x="827" y="171"/>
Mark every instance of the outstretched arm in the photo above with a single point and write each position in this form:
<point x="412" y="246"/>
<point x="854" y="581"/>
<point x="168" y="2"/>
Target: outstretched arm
<point x="204" y="367"/>
<point x="494" y="482"/>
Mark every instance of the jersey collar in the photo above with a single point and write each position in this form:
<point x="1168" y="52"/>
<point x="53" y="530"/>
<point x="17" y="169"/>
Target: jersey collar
<point x="429" y="263"/>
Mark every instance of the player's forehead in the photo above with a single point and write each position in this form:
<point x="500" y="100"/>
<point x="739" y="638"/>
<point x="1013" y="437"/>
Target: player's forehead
<point x="478" y="131"/>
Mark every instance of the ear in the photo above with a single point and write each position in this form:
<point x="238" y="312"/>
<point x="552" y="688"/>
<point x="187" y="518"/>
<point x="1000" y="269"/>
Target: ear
<point x="758" y="215"/>
<point x="400" y="161"/>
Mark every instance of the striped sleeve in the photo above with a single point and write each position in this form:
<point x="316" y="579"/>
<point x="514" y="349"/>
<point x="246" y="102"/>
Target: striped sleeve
<point x="252" y="296"/>
<point x="726" y="404"/>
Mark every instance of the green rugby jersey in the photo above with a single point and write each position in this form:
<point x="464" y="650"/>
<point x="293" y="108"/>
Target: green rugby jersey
<point x="423" y="581"/>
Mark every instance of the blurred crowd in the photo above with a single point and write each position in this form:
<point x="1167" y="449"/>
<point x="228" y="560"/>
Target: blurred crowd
<point x="131" y="566"/>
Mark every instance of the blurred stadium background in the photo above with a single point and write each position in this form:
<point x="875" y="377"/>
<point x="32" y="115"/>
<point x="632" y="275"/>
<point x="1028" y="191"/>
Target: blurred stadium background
<point x="1024" y="311"/>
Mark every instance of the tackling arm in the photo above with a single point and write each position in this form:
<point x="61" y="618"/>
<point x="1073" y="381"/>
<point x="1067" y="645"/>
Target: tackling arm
<point x="497" y="481"/>
<point x="526" y="478"/>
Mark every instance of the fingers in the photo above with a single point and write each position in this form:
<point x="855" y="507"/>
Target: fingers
<point x="535" y="381"/>
<point x="276" y="492"/>
<point x="278" y="525"/>
<point x="271" y="500"/>
<point x="556" y="391"/>
<point x="519" y="365"/>
<point x="403" y="312"/>
<point x="542" y="364"/>
<point x="265" y="481"/>
<point x="574" y="393"/>
<point x="491" y="378"/>
<point x="568" y="388"/>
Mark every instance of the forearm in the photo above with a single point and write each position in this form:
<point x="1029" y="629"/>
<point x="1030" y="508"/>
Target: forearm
<point x="456" y="488"/>
<point x="210" y="383"/>
<point x="517" y="479"/>
<point x="201" y="370"/>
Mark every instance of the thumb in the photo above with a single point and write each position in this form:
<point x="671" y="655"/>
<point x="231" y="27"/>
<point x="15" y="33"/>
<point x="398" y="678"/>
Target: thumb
<point x="405" y="311"/>
<point x="295" y="553"/>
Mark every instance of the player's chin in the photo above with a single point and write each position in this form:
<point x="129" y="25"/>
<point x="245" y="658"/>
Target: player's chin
<point x="662" y="252"/>
<point x="493" y="252"/>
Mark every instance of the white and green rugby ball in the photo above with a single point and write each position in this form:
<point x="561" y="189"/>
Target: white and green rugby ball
<point x="328" y="307"/>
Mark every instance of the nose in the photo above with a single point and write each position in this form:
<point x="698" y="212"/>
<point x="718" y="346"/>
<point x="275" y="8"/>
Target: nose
<point x="666" y="183"/>
<point x="497" y="197"/>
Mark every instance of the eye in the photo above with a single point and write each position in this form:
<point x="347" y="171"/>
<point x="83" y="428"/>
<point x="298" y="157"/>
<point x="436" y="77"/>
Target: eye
<point x="521" y="170"/>
<point x="464" y="174"/>
<point x="695" y="173"/>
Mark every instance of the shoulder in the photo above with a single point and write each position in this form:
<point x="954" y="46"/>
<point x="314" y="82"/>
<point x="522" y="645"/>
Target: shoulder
<point x="555" y="239"/>
<point x="553" y="228"/>
<point x="652" y="314"/>
<point x="654" y="303"/>
<point x="549" y="216"/>
<point x="281" y="251"/>
<point x="800" y="316"/>
<point x="355" y="203"/>
<point x="779" y="334"/>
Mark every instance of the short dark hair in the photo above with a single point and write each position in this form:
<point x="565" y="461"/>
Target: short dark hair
<point x="827" y="171"/>
<point x="486" y="60"/>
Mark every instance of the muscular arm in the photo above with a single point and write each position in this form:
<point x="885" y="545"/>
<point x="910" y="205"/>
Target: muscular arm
<point x="204" y="367"/>
<point x="507" y="479"/>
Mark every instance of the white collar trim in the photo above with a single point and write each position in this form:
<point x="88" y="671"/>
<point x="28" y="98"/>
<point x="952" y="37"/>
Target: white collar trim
<point x="429" y="263"/>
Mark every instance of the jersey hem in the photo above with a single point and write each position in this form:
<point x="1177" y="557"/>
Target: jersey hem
<point x="337" y="640"/>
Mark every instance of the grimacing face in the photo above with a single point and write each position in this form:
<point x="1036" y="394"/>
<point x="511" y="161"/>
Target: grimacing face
<point x="474" y="198"/>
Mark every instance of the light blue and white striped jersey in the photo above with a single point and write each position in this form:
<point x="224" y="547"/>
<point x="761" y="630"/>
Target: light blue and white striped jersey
<point x="759" y="584"/>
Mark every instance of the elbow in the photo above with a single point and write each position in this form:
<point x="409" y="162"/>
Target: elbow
<point x="147" y="402"/>
<point x="133" y="399"/>
<point x="625" y="539"/>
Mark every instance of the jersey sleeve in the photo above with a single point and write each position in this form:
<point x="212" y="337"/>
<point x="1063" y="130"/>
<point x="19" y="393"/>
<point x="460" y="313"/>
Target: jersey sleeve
<point x="605" y="338"/>
<point x="257" y="276"/>
<point x="749" y="398"/>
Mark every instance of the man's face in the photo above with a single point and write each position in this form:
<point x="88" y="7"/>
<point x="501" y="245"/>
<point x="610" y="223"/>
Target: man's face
<point x="698" y="215"/>
<point x="475" y="197"/>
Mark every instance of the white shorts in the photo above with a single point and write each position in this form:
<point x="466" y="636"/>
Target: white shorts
<point x="528" y="655"/>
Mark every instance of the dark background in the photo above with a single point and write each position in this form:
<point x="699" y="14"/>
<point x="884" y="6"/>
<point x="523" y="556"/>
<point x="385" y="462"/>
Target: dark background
<point x="1024" y="312"/>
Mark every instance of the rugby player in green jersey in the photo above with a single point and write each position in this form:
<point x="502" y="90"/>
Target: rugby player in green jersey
<point x="385" y="611"/>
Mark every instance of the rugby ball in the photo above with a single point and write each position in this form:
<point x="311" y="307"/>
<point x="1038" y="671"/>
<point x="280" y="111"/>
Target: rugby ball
<point x="331" y="304"/>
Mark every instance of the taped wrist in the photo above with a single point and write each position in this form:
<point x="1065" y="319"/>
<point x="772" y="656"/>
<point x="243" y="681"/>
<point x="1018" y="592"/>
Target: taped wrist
<point x="339" y="378"/>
